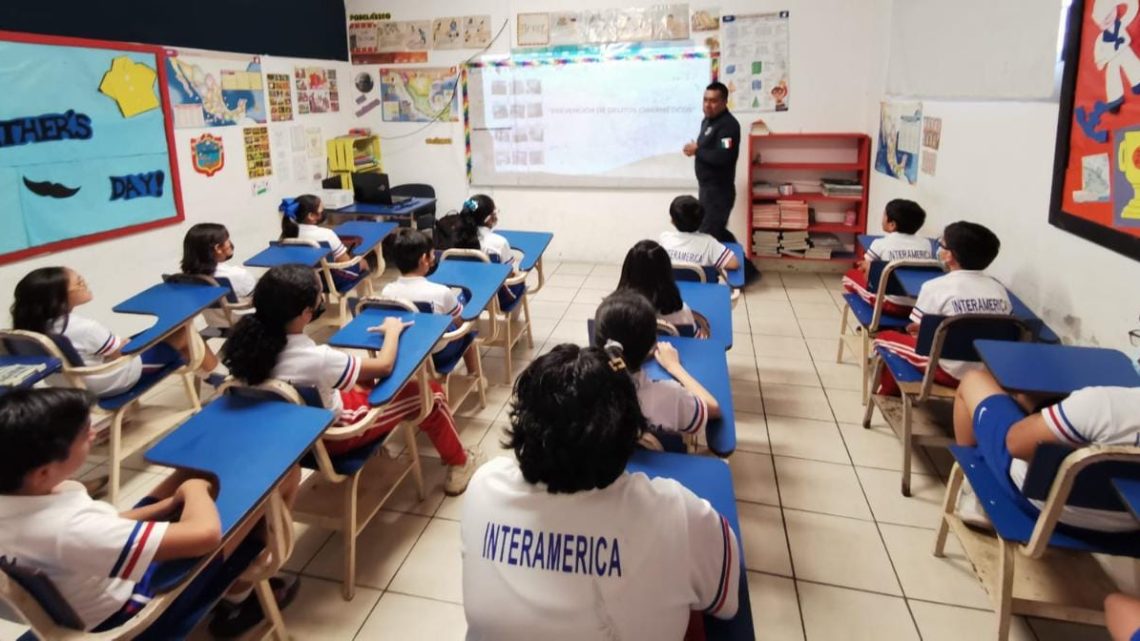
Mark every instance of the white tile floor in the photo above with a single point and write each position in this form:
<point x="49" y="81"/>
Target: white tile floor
<point x="833" y="550"/>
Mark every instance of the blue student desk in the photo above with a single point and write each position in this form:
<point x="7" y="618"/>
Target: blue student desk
<point x="531" y="244"/>
<point x="1055" y="369"/>
<point x="714" y="302"/>
<point x="1022" y="311"/>
<point x="175" y="304"/>
<point x="416" y="343"/>
<point x="1129" y="490"/>
<point x="480" y="280"/>
<point x="705" y="361"/>
<point x="735" y="277"/>
<point x="51" y="366"/>
<point x="711" y="480"/>
<point x="369" y="233"/>
<point x="406" y="210"/>
<point x="277" y="254"/>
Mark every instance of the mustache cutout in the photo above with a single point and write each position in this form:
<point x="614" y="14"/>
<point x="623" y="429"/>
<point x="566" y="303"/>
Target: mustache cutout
<point x="50" y="189"/>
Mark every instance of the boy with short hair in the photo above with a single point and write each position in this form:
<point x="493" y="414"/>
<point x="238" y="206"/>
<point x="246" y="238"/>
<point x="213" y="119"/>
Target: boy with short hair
<point x="412" y="253"/>
<point x="98" y="558"/>
<point x="965" y="249"/>
<point x="687" y="244"/>
<point x="901" y="220"/>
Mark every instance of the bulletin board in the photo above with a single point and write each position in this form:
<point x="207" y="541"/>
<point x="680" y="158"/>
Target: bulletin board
<point x="1096" y="177"/>
<point x="86" y="144"/>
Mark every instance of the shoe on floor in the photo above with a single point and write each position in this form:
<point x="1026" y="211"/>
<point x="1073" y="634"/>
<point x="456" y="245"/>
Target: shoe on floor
<point x="970" y="510"/>
<point x="458" y="476"/>
<point x="232" y="620"/>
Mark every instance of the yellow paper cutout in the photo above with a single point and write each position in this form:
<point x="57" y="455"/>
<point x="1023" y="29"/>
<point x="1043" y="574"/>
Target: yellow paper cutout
<point x="131" y="85"/>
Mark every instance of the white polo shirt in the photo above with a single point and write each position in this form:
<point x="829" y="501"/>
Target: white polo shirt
<point x="241" y="281"/>
<point x="956" y="293"/>
<point x="494" y="244"/>
<point x="94" y="342"/>
<point x="695" y="247"/>
<point x="94" y="556"/>
<point x="1093" y="415"/>
<point x="418" y="289"/>
<point x="325" y="235"/>
<point x="899" y="246"/>
<point x="626" y="562"/>
<point x="683" y="316"/>
<point x="668" y="406"/>
<point x="306" y="364"/>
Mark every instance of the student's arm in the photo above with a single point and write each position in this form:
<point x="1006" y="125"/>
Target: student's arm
<point x="156" y="511"/>
<point x="671" y="362"/>
<point x="198" y="531"/>
<point x="378" y="368"/>
<point x="1026" y="434"/>
<point x="714" y="557"/>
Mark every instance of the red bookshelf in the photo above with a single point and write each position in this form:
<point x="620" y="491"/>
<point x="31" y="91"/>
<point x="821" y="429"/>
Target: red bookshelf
<point x="802" y="160"/>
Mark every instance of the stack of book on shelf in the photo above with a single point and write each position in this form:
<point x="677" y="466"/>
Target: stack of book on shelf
<point x="766" y="216"/>
<point x="766" y="243"/>
<point x="793" y="214"/>
<point x="845" y="187"/>
<point x="794" y="243"/>
<point x="764" y="189"/>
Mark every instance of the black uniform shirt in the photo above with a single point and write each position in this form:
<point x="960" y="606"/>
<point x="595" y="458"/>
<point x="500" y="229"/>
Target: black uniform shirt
<point x="718" y="147"/>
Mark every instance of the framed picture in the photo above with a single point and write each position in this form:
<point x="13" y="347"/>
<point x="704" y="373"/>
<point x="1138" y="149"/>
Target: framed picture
<point x="1096" y="172"/>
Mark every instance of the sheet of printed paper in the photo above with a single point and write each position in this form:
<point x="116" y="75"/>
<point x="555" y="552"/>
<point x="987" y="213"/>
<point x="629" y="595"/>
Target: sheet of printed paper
<point x="447" y="33"/>
<point x="476" y="32"/>
<point x="258" y="162"/>
<point x="754" y="61"/>
<point x="705" y="19"/>
<point x="565" y="28"/>
<point x="279" y="143"/>
<point x="409" y="35"/>
<point x="671" y="22"/>
<point x="280" y="97"/>
<point x="533" y="29"/>
<point x="362" y="36"/>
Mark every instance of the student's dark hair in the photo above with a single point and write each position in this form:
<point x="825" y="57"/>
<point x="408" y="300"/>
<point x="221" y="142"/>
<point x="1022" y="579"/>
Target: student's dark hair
<point x="575" y="421"/>
<point x="686" y="213"/>
<point x="256" y="341"/>
<point x="648" y="271"/>
<point x="37" y="427"/>
<point x="478" y="209"/>
<point x="305" y="204"/>
<point x="973" y="245"/>
<point x="198" y="248"/>
<point x="907" y="215"/>
<point x="40" y="299"/>
<point x="627" y="317"/>
<point x="719" y="88"/>
<point x="408" y="246"/>
<point x="456" y="231"/>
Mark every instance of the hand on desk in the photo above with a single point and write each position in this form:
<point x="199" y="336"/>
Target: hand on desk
<point x="192" y="488"/>
<point x="668" y="358"/>
<point x="391" y="327"/>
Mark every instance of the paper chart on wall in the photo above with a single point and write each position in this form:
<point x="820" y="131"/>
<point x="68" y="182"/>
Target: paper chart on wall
<point x="565" y="28"/>
<point x="257" y="159"/>
<point x="671" y="22"/>
<point x="705" y="19"/>
<point x="317" y="90"/>
<point x="532" y="29"/>
<point x="412" y="35"/>
<point x="900" y="140"/>
<point x="754" y="61"/>
<point x="280" y="97"/>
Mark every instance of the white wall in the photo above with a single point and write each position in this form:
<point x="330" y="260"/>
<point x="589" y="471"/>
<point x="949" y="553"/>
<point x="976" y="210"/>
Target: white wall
<point x="119" y="268"/>
<point x="995" y="167"/>
<point x="830" y="63"/>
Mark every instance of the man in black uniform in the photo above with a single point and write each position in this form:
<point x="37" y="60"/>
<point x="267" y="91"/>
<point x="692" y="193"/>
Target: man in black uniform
<point x="715" y="153"/>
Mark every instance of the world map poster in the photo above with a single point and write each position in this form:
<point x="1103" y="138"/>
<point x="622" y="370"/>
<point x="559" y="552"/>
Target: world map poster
<point x="208" y="91"/>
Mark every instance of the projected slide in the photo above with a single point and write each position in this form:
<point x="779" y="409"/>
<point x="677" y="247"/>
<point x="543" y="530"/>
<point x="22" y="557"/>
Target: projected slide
<point x="587" y="121"/>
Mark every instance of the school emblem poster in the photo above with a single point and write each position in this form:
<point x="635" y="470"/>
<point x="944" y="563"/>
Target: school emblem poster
<point x="83" y="144"/>
<point x="754" y="61"/>
<point x="1096" y="188"/>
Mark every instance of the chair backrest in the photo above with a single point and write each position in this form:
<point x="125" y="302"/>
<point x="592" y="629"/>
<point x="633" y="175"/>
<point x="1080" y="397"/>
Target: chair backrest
<point x="953" y="337"/>
<point x="202" y="279"/>
<point x="400" y="304"/>
<point x="1093" y="485"/>
<point x="879" y="268"/>
<point x="40" y="588"/>
<point x="23" y="343"/>
<point x="470" y="255"/>
<point x="276" y="389"/>
<point x="690" y="272"/>
<point x="665" y="328"/>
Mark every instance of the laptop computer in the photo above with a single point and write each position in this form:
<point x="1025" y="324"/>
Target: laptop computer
<point x="374" y="188"/>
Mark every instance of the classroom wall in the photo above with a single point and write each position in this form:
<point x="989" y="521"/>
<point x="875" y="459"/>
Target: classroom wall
<point x="119" y="268"/>
<point x="995" y="167"/>
<point x="830" y="62"/>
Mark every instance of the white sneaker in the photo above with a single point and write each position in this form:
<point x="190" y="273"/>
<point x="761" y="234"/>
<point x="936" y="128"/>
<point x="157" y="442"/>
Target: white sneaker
<point x="458" y="476"/>
<point x="969" y="509"/>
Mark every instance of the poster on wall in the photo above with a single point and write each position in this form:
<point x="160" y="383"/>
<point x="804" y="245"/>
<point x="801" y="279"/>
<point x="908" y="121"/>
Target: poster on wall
<point x="1096" y="177"/>
<point x="366" y="99"/>
<point x="418" y="95"/>
<point x="215" y="91"/>
<point x="316" y="90"/>
<point x="87" y="159"/>
<point x="705" y="20"/>
<point x="280" y="97"/>
<point x="565" y="28"/>
<point x="533" y="29"/>
<point x="754" y="61"/>
<point x="900" y="137"/>
<point x="207" y="154"/>
<point x="257" y="160"/>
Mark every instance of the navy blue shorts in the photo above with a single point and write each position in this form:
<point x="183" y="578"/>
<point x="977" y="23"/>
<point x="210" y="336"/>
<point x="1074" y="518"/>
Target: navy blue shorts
<point x="993" y="419"/>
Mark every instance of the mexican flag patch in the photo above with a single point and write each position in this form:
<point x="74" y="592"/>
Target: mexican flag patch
<point x="726" y="143"/>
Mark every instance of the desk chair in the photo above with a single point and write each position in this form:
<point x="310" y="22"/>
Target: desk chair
<point x="694" y="273"/>
<point x="916" y="416"/>
<point x="347" y="489"/>
<point x="119" y="445"/>
<point x="426" y="219"/>
<point x="456" y="387"/>
<point x="870" y="318"/>
<point x="338" y="295"/>
<point x="229" y="307"/>
<point x="1031" y="564"/>
<point x="511" y="302"/>
<point x="37" y="601"/>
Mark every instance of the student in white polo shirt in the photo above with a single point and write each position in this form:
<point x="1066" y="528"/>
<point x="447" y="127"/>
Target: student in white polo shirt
<point x="673" y="408"/>
<point x="688" y="245"/>
<point x="1008" y="435"/>
<point x="480" y="211"/>
<point x="302" y="217"/>
<point x="412" y="253"/>
<point x="648" y="271"/>
<point x="206" y="248"/>
<point x="901" y="220"/>
<point x="561" y="543"/>
<point x="965" y="250"/>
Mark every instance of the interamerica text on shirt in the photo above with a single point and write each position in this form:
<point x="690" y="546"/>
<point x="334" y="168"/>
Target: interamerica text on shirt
<point x="554" y="551"/>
